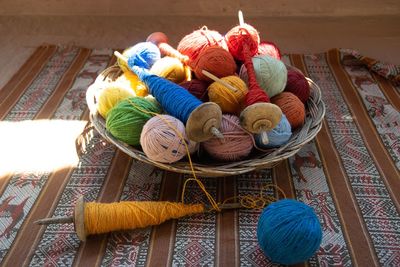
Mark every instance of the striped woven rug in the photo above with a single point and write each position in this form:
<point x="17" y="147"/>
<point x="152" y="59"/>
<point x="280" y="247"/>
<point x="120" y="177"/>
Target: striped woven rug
<point x="349" y="174"/>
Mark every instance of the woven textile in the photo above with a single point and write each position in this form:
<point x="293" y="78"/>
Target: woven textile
<point x="349" y="174"/>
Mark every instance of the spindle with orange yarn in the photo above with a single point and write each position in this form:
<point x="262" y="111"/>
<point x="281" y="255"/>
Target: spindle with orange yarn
<point x="99" y="218"/>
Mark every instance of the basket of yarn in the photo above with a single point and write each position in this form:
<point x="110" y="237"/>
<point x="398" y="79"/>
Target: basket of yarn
<point x="217" y="106"/>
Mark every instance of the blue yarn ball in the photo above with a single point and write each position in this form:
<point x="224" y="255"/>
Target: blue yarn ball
<point x="289" y="232"/>
<point x="278" y="136"/>
<point x="143" y="54"/>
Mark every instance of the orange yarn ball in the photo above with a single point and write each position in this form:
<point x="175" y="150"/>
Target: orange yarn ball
<point x="215" y="60"/>
<point x="292" y="107"/>
<point x="192" y="44"/>
<point x="239" y="35"/>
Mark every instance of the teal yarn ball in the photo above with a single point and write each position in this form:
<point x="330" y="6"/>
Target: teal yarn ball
<point x="278" y="136"/>
<point x="289" y="232"/>
<point x="143" y="54"/>
<point x="125" y="121"/>
<point x="271" y="74"/>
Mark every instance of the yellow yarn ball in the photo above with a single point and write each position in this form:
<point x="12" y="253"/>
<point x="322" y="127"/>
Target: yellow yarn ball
<point x="226" y="98"/>
<point x="170" y="68"/>
<point x="111" y="96"/>
<point x="131" y="80"/>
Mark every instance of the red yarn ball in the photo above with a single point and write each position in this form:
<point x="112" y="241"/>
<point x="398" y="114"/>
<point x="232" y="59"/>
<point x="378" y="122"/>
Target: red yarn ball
<point x="298" y="85"/>
<point x="292" y="107"/>
<point x="157" y="38"/>
<point x="269" y="49"/>
<point x="215" y="60"/>
<point x="198" y="88"/>
<point x="239" y="35"/>
<point x="192" y="44"/>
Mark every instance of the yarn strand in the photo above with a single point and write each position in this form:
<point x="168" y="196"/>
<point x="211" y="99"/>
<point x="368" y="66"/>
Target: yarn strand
<point x="201" y="185"/>
<point x="256" y="93"/>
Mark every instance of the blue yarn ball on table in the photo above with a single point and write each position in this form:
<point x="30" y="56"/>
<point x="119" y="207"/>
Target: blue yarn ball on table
<point x="289" y="232"/>
<point x="278" y="136"/>
<point x="143" y="55"/>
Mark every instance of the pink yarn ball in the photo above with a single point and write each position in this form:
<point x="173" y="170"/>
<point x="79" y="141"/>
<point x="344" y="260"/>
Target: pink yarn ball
<point x="237" y="144"/>
<point x="192" y="44"/>
<point x="161" y="143"/>
<point x="269" y="49"/>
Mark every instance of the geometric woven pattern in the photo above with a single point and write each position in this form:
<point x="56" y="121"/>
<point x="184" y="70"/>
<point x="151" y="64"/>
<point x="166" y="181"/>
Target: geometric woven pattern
<point x="349" y="174"/>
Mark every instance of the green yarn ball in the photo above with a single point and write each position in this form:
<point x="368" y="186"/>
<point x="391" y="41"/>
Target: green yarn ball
<point x="125" y="121"/>
<point x="271" y="74"/>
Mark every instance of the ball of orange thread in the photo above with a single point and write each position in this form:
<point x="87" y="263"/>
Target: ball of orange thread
<point x="239" y="35"/>
<point x="292" y="107"/>
<point x="195" y="42"/>
<point x="215" y="60"/>
<point x="229" y="100"/>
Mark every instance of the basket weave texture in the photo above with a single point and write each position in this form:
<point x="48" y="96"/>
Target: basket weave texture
<point x="315" y="112"/>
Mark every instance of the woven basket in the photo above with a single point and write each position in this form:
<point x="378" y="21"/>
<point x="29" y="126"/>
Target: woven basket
<point x="259" y="160"/>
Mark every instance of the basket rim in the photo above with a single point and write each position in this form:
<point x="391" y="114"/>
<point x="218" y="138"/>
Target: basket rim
<point x="315" y="112"/>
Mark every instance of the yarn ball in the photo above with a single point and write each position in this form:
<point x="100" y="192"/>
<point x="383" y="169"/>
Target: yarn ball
<point x="198" y="88"/>
<point x="289" y="232"/>
<point x="171" y="69"/>
<point x="271" y="74"/>
<point x="130" y="80"/>
<point x="110" y="97"/>
<point x="298" y="85"/>
<point x="195" y="42"/>
<point x="292" y="107"/>
<point x="278" y="136"/>
<point x="157" y="38"/>
<point x="269" y="49"/>
<point x="215" y="60"/>
<point x="143" y="55"/>
<point x="239" y="35"/>
<point x="161" y="142"/>
<point x="237" y="143"/>
<point x="126" y="120"/>
<point x="229" y="100"/>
